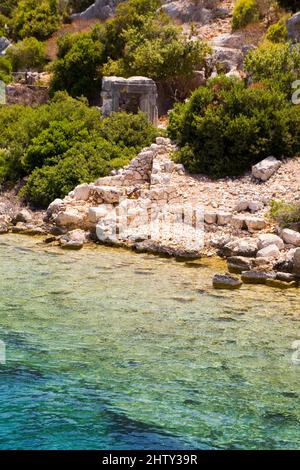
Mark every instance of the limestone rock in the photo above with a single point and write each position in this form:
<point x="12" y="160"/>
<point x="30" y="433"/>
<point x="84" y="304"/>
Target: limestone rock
<point x="242" y="205"/>
<point x="3" y="229"/>
<point x="238" y="221"/>
<point x="291" y="236"/>
<point x="285" y="277"/>
<point x="296" y="262"/>
<point x="82" y="192"/>
<point x="223" y="218"/>
<point x="70" y="218"/>
<point x="226" y="281"/>
<point x="257" y="277"/>
<point x="293" y="27"/>
<point x="56" y="206"/>
<point x="73" y="240"/>
<point x="255" y="223"/>
<point x="101" y="9"/>
<point x="23" y="216"/>
<point x="97" y="213"/>
<point x="210" y="217"/>
<point x="269" y="251"/>
<point x="238" y="264"/>
<point x="266" y="168"/>
<point x="109" y="194"/>
<point x="231" y="40"/>
<point x="266" y="239"/>
<point x="4" y="43"/>
<point x="241" y="247"/>
<point x="228" y="57"/>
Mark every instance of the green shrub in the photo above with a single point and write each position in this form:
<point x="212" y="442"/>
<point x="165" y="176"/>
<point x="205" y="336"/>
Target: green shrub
<point x="128" y="130"/>
<point x="64" y="143"/>
<point x="78" y="67"/>
<point x="157" y="50"/>
<point x="277" y="64"/>
<point x="4" y="21"/>
<point x="225" y="128"/>
<point x="5" y="70"/>
<point x="286" y="215"/>
<point x="82" y="163"/>
<point x="277" y="32"/>
<point x="7" y="7"/>
<point x="244" y="13"/>
<point x="35" y="19"/>
<point x="27" y="54"/>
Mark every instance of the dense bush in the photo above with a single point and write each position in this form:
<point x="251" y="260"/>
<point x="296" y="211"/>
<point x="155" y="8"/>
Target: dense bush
<point x="226" y="127"/>
<point x="278" y="64"/>
<point x="277" y="32"/>
<point x="81" y="163"/>
<point x="27" y="54"/>
<point x="7" y="7"/>
<point x="245" y="12"/>
<point x="292" y="5"/>
<point x="5" y="70"/>
<point x="65" y="143"/>
<point x="35" y="19"/>
<point x="78" y="66"/>
<point x="139" y="40"/>
<point x="3" y="24"/>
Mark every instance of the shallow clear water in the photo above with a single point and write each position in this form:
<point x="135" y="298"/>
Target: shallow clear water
<point x="107" y="349"/>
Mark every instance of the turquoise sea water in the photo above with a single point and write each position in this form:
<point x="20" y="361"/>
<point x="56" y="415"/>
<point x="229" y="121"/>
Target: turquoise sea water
<point x="107" y="349"/>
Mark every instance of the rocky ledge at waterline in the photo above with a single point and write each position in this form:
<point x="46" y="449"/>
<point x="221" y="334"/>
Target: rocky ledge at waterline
<point x="231" y="215"/>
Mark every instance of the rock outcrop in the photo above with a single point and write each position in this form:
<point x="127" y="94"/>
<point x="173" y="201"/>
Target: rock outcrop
<point x="102" y="9"/>
<point x="266" y="168"/>
<point x="4" y="44"/>
<point x="293" y="28"/>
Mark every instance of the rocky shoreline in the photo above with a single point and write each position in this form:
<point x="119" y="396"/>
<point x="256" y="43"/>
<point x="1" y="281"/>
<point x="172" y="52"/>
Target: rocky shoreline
<point x="233" y="215"/>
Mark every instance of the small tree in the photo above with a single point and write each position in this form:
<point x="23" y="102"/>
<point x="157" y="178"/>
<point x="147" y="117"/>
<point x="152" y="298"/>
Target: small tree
<point x="27" y="54"/>
<point x="38" y="19"/>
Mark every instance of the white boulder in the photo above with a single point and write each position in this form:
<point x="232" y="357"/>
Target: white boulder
<point x="266" y="168"/>
<point x="291" y="237"/>
<point x="266" y="239"/>
<point x="269" y="251"/>
<point x="81" y="192"/>
<point x="97" y="213"/>
<point x="69" y="218"/>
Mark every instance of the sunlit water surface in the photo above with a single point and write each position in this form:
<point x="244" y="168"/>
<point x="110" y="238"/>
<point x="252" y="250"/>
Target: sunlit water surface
<point x="107" y="349"/>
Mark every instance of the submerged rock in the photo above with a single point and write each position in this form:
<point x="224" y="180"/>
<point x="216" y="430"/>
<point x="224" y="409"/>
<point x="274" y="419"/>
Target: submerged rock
<point x="257" y="277"/>
<point x="281" y="284"/>
<point x="226" y="281"/>
<point x="238" y="264"/>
